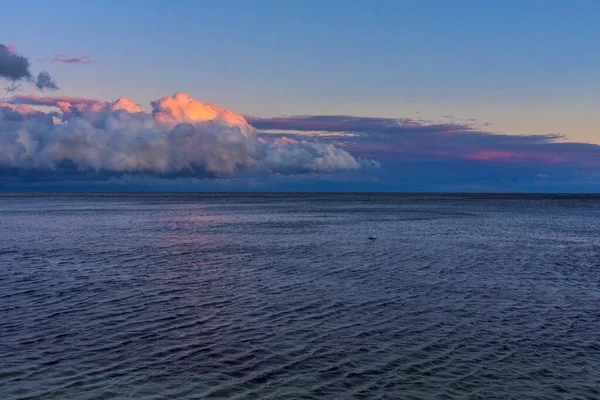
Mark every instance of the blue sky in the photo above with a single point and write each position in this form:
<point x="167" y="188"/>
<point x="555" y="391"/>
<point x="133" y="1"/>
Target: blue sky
<point x="514" y="67"/>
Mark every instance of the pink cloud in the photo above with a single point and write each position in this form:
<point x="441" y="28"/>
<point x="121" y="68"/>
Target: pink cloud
<point x="65" y="59"/>
<point x="492" y="155"/>
<point x="76" y="105"/>
<point x="180" y="108"/>
<point x="11" y="48"/>
<point x="20" y="108"/>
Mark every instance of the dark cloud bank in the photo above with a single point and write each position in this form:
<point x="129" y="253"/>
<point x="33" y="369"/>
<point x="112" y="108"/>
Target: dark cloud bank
<point x="420" y="155"/>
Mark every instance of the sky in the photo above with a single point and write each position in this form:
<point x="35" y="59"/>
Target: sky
<point x="335" y="95"/>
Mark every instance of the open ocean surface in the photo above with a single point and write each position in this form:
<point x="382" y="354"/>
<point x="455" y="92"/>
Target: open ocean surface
<point x="282" y="296"/>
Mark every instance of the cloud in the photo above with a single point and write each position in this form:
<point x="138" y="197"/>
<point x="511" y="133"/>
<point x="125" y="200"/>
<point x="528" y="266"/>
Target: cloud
<point x="66" y="59"/>
<point x="45" y="81"/>
<point x="49" y="101"/>
<point x="13" y="66"/>
<point x="22" y="113"/>
<point x="295" y="132"/>
<point x="391" y="138"/>
<point x="512" y="156"/>
<point x="15" y="69"/>
<point x="345" y="123"/>
<point x="445" y="156"/>
<point x="193" y="143"/>
<point x="181" y="137"/>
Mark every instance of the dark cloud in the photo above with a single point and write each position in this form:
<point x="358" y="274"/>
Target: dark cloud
<point x="15" y="69"/>
<point x="45" y="82"/>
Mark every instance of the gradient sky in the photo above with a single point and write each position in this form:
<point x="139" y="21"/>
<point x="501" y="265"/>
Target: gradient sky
<point x="521" y="67"/>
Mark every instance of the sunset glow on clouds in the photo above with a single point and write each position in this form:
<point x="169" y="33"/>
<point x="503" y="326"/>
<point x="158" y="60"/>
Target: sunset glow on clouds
<point x="180" y="137"/>
<point x="86" y="140"/>
<point x="70" y="137"/>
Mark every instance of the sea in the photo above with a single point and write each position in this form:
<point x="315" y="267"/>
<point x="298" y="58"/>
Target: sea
<point x="299" y="296"/>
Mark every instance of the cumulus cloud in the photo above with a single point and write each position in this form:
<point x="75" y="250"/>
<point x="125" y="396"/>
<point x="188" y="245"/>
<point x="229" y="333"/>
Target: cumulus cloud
<point x="15" y="69"/>
<point x="180" y="137"/>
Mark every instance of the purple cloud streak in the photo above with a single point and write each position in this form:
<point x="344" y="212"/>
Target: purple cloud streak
<point x="66" y="59"/>
<point x="407" y="139"/>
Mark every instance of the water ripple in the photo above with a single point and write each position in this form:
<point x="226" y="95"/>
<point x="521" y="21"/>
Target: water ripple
<point x="282" y="296"/>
